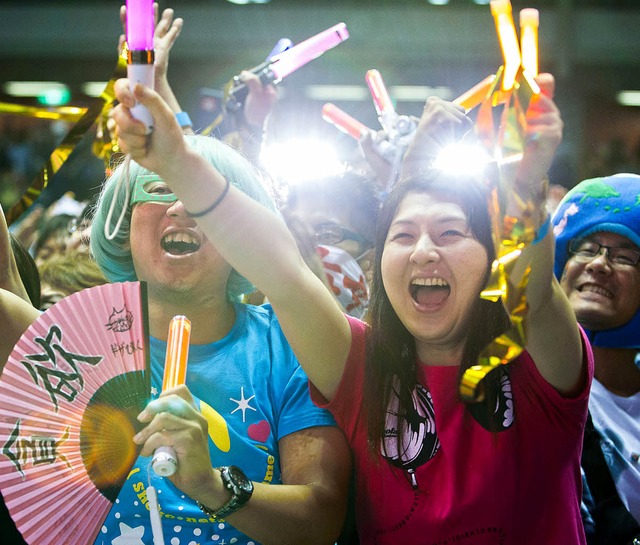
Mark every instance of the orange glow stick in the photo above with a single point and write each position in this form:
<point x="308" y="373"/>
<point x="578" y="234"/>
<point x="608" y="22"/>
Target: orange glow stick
<point x="506" y="29"/>
<point x="474" y="96"/>
<point x="165" y="461"/>
<point x="175" y="366"/>
<point x="529" y="21"/>
<point x="343" y="121"/>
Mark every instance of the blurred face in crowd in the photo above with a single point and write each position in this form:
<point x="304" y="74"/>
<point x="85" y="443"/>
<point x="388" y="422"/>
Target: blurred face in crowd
<point x="329" y="221"/>
<point x="49" y="296"/>
<point x="56" y="244"/>
<point x="79" y="235"/>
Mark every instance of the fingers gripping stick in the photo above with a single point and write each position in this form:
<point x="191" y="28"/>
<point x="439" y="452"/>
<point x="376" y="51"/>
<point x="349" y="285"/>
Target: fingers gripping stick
<point x="165" y="461"/>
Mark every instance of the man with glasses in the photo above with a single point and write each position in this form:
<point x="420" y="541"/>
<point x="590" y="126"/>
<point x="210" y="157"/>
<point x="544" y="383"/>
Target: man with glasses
<point x="597" y="229"/>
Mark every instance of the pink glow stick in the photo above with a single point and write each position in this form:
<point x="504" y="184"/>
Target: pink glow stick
<point x="140" y="57"/>
<point x="381" y="97"/>
<point x="382" y="101"/>
<point x="290" y="60"/>
<point x="140" y="25"/>
<point x="343" y="121"/>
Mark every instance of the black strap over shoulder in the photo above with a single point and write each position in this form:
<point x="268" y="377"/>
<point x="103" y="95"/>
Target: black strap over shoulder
<point x="614" y="524"/>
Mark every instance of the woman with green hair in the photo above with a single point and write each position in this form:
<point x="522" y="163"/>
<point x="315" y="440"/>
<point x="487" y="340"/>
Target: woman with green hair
<point x="244" y="420"/>
<point x="112" y="217"/>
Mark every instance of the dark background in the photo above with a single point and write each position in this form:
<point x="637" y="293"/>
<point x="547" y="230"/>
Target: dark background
<point x="591" y="46"/>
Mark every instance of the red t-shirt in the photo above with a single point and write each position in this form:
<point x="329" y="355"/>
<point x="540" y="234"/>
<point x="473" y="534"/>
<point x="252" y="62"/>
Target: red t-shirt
<point x="457" y="482"/>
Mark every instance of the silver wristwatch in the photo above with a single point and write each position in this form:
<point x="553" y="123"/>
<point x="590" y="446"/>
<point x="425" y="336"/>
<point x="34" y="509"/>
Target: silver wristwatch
<point x="240" y="487"/>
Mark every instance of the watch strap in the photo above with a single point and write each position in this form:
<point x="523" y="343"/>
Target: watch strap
<point x="239" y="495"/>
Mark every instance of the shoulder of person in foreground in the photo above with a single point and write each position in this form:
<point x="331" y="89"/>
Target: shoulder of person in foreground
<point x="16" y="310"/>
<point x="16" y="315"/>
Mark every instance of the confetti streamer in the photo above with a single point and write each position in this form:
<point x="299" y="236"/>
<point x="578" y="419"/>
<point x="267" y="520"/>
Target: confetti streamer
<point x="501" y="128"/>
<point x="59" y="156"/>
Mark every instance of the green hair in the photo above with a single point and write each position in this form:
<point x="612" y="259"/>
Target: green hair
<point x="114" y="255"/>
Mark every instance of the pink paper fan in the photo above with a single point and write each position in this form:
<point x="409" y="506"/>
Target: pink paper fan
<point x="69" y="396"/>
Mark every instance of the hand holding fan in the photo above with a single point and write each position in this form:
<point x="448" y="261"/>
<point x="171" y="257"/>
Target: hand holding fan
<point x="69" y="397"/>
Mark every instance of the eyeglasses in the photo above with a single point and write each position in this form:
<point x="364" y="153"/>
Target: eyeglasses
<point x="330" y="234"/>
<point x="75" y="225"/>
<point x="151" y="188"/>
<point x="586" y="250"/>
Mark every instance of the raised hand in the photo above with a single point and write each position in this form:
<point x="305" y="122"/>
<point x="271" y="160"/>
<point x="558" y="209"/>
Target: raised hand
<point x="260" y="100"/>
<point x="165" y="35"/>
<point x="442" y="123"/>
<point x="543" y="136"/>
<point x="153" y="151"/>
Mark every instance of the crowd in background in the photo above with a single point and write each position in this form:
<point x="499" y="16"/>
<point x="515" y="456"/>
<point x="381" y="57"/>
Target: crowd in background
<point x="340" y="227"/>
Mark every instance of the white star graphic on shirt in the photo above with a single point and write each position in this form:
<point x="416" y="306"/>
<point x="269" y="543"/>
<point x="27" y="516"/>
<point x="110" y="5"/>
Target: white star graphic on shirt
<point x="129" y="536"/>
<point x="154" y="391"/>
<point x="243" y="404"/>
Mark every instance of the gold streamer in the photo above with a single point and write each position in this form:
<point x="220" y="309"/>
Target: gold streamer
<point x="501" y="128"/>
<point x="59" y="156"/>
<point x="62" y="113"/>
<point x="208" y="130"/>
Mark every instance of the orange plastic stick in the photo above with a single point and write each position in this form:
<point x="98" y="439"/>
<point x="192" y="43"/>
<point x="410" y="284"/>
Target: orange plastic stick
<point x="474" y="96"/>
<point x="529" y="21"/>
<point x="175" y="366"/>
<point x="506" y="29"/>
<point x="343" y="121"/>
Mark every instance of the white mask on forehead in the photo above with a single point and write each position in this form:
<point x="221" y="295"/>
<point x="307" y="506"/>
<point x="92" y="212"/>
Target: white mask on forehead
<point x="346" y="279"/>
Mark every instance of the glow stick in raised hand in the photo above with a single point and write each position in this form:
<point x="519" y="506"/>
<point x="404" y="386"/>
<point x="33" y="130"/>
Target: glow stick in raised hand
<point x="529" y="21"/>
<point x="164" y="461"/>
<point x="293" y="58"/>
<point x="278" y="66"/>
<point x="343" y="121"/>
<point x="281" y="46"/>
<point x="474" y="96"/>
<point x="140" y="54"/>
<point x="505" y="27"/>
<point x="381" y="100"/>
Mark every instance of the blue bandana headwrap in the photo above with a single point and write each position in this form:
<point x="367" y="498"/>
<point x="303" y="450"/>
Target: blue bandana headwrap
<point x="609" y="204"/>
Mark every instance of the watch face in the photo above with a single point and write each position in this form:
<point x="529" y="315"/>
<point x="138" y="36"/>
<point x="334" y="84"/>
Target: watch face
<point x="240" y="480"/>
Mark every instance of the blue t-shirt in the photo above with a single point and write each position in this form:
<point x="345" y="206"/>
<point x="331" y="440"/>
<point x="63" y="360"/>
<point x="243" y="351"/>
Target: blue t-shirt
<point x="253" y="392"/>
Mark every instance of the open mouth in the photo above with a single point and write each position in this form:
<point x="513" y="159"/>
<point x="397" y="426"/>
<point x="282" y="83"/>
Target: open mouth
<point x="598" y="290"/>
<point x="180" y="244"/>
<point x="429" y="291"/>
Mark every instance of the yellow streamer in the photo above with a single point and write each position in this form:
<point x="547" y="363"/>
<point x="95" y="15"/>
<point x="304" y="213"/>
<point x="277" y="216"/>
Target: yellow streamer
<point x="62" y="113"/>
<point x="501" y="128"/>
<point x="84" y="119"/>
